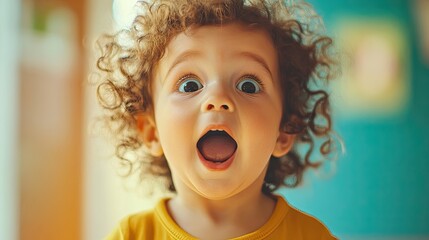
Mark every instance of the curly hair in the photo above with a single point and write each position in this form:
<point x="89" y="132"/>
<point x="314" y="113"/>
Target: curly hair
<point x="128" y="59"/>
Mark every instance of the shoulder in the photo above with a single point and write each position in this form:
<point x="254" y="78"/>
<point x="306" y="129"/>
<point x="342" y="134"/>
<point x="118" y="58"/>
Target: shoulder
<point x="305" y="226"/>
<point x="134" y="226"/>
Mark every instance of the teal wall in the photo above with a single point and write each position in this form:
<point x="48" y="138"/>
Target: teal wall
<point x="381" y="186"/>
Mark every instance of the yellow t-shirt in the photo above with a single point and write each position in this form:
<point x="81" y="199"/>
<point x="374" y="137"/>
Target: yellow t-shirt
<point x="286" y="222"/>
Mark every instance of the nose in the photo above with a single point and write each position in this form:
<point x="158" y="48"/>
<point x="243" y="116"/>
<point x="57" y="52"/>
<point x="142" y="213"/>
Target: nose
<point x="217" y="100"/>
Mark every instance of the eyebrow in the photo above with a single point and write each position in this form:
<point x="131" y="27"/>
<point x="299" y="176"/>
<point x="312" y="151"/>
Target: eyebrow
<point x="182" y="58"/>
<point x="258" y="59"/>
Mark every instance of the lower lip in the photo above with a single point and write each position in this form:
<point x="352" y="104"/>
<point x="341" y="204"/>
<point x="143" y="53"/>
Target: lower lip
<point x="216" y="166"/>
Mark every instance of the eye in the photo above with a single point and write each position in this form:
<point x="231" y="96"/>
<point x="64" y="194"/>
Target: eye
<point x="190" y="85"/>
<point x="249" y="85"/>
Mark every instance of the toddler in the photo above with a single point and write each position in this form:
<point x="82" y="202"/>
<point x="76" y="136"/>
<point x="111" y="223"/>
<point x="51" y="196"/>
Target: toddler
<point x="216" y="98"/>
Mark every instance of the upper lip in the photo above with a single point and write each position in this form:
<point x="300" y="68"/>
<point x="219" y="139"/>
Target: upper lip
<point x="219" y="127"/>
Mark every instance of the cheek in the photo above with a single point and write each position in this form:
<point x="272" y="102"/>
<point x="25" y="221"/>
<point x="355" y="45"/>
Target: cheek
<point x="175" y="124"/>
<point x="262" y="127"/>
<point x="264" y="114"/>
<point x="265" y="128"/>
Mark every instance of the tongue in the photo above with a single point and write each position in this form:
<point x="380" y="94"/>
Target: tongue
<point x="217" y="146"/>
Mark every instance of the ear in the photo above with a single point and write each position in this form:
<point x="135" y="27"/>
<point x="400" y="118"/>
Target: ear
<point x="284" y="144"/>
<point x="149" y="134"/>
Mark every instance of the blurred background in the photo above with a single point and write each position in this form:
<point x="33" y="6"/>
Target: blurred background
<point x="58" y="178"/>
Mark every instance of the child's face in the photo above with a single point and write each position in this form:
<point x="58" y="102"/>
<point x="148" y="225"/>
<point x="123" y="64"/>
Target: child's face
<point x="206" y="81"/>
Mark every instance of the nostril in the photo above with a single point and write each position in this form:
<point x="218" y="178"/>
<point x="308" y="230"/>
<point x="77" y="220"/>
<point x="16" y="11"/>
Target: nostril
<point x="212" y="107"/>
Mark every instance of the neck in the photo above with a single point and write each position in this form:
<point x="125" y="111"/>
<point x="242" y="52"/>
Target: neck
<point x="201" y="216"/>
<point x="221" y="209"/>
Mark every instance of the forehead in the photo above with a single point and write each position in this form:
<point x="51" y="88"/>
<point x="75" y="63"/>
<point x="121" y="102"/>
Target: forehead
<point x="222" y="41"/>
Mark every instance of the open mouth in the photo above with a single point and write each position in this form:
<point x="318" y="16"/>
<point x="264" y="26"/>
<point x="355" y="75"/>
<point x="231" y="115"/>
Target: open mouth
<point x="216" y="146"/>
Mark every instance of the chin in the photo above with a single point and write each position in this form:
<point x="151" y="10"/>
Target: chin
<point x="217" y="193"/>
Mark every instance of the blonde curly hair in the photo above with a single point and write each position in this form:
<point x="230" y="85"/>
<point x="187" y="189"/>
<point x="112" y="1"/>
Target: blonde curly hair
<point x="129" y="57"/>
